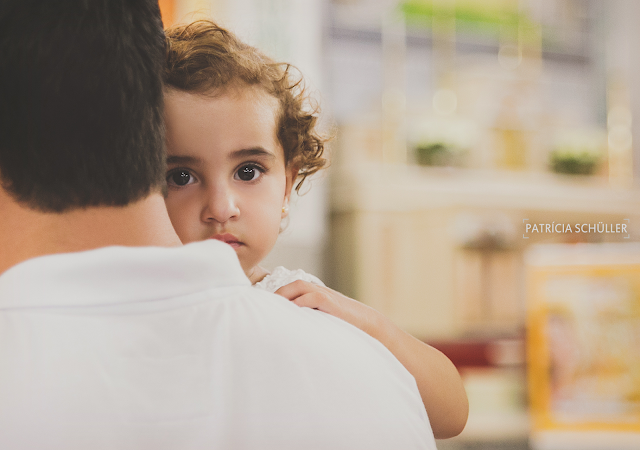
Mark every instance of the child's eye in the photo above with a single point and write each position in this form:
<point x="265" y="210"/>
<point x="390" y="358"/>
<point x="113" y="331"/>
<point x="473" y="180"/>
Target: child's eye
<point x="248" y="172"/>
<point x="180" y="177"/>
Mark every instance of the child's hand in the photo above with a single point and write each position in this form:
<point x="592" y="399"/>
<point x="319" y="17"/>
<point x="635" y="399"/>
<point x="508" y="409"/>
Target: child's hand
<point x="332" y="302"/>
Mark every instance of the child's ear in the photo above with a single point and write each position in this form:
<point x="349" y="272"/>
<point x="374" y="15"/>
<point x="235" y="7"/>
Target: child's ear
<point x="292" y="171"/>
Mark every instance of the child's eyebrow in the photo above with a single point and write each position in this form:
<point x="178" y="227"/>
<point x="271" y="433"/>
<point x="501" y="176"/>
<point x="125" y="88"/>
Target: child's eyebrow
<point x="254" y="151"/>
<point x="183" y="160"/>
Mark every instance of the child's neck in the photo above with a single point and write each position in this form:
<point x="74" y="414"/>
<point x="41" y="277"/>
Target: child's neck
<point x="256" y="273"/>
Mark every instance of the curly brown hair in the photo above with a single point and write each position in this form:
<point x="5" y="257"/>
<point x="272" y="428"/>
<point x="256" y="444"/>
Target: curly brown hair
<point x="203" y="57"/>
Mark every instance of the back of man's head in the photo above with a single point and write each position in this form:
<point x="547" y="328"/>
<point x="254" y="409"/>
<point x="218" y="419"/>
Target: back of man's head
<point x="81" y="112"/>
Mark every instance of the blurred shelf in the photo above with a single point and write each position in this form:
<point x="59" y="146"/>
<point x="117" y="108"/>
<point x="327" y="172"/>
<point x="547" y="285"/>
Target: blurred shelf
<point x="465" y="43"/>
<point x="379" y="187"/>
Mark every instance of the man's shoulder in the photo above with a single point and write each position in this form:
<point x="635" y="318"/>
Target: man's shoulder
<point x="120" y="275"/>
<point x="229" y="363"/>
<point x="319" y="371"/>
<point x="312" y="340"/>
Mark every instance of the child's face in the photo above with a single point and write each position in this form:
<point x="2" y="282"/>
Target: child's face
<point x="226" y="174"/>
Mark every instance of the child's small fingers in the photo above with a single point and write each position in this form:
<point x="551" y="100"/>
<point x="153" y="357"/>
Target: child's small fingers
<point x="295" y="289"/>
<point x="313" y="300"/>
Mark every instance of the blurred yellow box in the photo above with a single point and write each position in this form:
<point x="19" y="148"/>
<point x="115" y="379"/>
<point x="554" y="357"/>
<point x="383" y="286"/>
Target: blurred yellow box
<point x="583" y="345"/>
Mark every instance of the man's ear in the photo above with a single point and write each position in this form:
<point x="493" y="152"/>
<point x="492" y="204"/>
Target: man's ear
<point x="291" y="171"/>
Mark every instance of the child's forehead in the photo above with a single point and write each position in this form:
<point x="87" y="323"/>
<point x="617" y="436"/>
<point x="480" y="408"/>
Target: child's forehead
<point x="239" y="118"/>
<point x="251" y="98"/>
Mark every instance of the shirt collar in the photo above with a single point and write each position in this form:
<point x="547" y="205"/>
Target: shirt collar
<point x="113" y="275"/>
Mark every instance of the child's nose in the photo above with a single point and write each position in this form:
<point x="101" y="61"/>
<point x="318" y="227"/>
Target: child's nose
<point x="221" y="205"/>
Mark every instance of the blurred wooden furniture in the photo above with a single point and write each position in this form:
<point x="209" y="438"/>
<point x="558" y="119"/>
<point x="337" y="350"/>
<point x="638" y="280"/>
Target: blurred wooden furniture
<point x="439" y="250"/>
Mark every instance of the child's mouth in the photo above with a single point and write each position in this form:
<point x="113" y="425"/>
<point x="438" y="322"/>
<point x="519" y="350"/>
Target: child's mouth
<point x="228" y="239"/>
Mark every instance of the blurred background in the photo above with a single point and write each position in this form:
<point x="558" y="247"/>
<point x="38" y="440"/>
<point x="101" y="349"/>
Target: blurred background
<point x="472" y="137"/>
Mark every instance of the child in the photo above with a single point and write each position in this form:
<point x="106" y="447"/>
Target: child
<point x="239" y="136"/>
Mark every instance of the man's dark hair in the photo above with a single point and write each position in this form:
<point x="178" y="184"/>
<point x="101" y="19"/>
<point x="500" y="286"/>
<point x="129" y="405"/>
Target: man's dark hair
<point x="81" y="108"/>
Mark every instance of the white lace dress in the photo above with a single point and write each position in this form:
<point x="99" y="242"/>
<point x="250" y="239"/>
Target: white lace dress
<point x="281" y="276"/>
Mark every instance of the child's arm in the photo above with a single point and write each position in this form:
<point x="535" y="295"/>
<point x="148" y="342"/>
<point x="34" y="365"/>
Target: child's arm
<point x="438" y="380"/>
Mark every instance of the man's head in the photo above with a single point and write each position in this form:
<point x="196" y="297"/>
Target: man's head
<point x="81" y="111"/>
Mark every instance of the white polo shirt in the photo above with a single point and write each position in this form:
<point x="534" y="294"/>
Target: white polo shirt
<point x="170" y="348"/>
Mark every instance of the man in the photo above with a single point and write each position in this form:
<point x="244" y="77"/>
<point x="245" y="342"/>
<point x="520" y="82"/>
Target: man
<point x="112" y="334"/>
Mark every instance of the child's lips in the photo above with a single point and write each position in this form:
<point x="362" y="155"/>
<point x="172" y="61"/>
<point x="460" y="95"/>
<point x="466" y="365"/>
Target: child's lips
<point x="228" y="239"/>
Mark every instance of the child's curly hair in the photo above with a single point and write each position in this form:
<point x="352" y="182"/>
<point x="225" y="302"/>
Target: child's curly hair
<point x="203" y="57"/>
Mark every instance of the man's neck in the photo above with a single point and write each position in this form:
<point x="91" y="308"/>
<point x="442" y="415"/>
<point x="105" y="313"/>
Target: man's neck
<point x="26" y="234"/>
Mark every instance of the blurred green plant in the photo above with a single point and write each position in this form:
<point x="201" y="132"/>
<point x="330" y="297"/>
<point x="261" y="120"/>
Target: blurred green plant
<point x="438" y="154"/>
<point x="574" y="163"/>
<point x="488" y="17"/>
